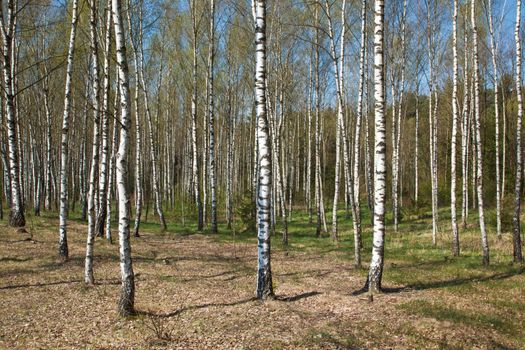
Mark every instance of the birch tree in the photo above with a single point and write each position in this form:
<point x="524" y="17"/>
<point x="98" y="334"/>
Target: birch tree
<point x="153" y="155"/>
<point x="112" y="159"/>
<point x="8" y="29"/>
<point x="127" y="297"/>
<point x="455" y="117"/>
<point x="516" y="237"/>
<point x="465" y="135"/>
<point x="92" y="195"/>
<point x="138" y="129"/>
<point x="103" y="171"/>
<point x="359" y="117"/>
<point x="264" y="273"/>
<point x="477" y="126"/>
<point x="376" y="266"/>
<point x="319" y="199"/>
<point x="47" y="199"/>
<point x="92" y="204"/>
<point x="493" y="51"/>
<point x="211" y="119"/>
<point x="432" y="123"/>
<point x="340" y="128"/>
<point x="308" y="181"/>
<point x="64" y="146"/>
<point x="195" y="157"/>
<point x="396" y="122"/>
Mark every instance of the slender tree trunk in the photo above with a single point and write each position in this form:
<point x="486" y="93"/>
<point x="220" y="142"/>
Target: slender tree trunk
<point x="84" y="165"/>
<point x="264" y="272"/>
<point x="112" y="166"/>
<point x="16" y="216"/>
<point x="92" y="202"/>
<point x="465" y="136"/>
<point x="368" y="162"/>
<point x="153" y="155"/>
<point x="455" y="117"/>
<point x="278" y="194"/>
<point x="340" y="135"/>
<point x="229" y="150"/>
<point x="64" y="146"/>
<point x="211" y="120"/>
<point x="504" y="144"/>
<point x="103" y="173"/>
<point x="318" y="184"/>
<point x="154" y="168"/>
<point x="127" y="297"/>
<point x="516" y="237"/>
<point x="496" y="121"/>
<point x="397" y="130"/>
<point x="357" y="139"/>
<point x="376" y="266"/>
<point x="309" y="145"/>
<point x="195" y="157"/>
<point x="47" y="199"/>
<point x="432" y="127"/>
<point x="139" y="167"/>
<point x="479" y="159"/>
<point x="416" y="151"/>
<point x="205" y="155"/>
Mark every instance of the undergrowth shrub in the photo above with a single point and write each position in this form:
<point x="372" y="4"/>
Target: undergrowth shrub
<point x="246" y="211"/>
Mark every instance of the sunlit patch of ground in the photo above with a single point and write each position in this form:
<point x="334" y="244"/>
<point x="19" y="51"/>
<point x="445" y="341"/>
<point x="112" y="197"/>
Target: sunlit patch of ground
<point x="195" y="291"/>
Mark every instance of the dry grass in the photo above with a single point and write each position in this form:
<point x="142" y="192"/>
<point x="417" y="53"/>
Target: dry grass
<point x="196" y="292"/>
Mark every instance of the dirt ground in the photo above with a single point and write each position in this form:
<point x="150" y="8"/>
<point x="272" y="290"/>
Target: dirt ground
<point x="196" y="292"/>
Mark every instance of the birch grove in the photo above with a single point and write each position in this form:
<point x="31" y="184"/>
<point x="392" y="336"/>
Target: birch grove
<point x="342" y="126"/>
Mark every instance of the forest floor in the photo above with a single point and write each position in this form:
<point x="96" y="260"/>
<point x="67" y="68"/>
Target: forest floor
<point x="195" y="291"/>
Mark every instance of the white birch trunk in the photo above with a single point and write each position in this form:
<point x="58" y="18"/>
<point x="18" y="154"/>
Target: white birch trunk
<point x="47" y="199"/>
<point x="455" y="117"/>
<point x="195" y="157"/>
<point x="479" y="159"/>
<point x="153" y="155"/>
<point x="112" y="166"/>
<point x="16" y="215"/>
<point x="397" y="130"/>
<point x="432" y="129"/>
<point x="504" y="144"/>
<point x="138" y="131"/>
<point x="318" y="184"/>
<point x="309" y="145"/>
<point x="64" y="146"/>
<point x="493" y="51"/>
<point x="338" y="76"/>
<point x="416" y="151"/>
<point x="368" y="161"/>
<point x="211" y="120"/>
<point x="92" y="202"/>
<point x="465" y="134"/>
<point x="103" y="173"/>
<point x="127" y="298"/>
<point x="357" y="139"/>
<point x="376" y="265"/>
<point x="516" y="237"/>
<point x="264" y="273"/>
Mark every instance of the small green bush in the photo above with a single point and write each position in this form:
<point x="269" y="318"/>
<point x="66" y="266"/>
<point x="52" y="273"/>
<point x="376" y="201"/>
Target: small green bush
<point x="246" y="210"/>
